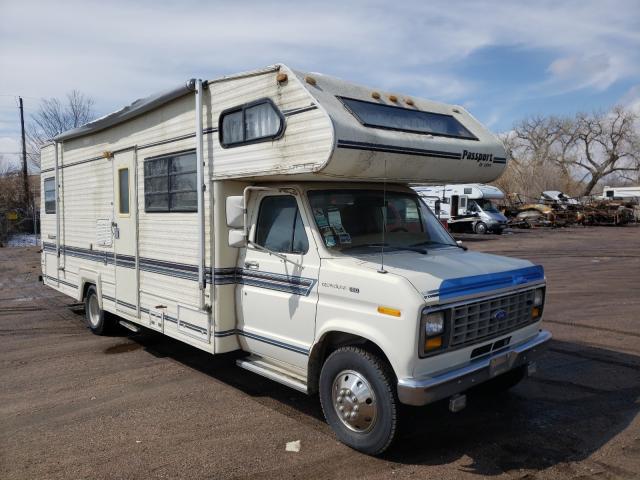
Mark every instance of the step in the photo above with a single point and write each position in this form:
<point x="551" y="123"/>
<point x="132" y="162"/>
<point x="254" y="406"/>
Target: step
<point x="130" y="326"/>
<point x="270" y="370"/>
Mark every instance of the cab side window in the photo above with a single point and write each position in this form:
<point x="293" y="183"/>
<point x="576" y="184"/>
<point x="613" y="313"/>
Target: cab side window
<point x="280" y="227"/>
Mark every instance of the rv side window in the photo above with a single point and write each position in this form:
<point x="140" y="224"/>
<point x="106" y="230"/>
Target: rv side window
<point x="170" y="183"/>
<point x="280" y="227"/>
<point x="389" y="117"/>
<point x="50" y="195"/>
<point x="254" y="122"/>
<point x="123" y="191"/>
<point x="467" y="191"/>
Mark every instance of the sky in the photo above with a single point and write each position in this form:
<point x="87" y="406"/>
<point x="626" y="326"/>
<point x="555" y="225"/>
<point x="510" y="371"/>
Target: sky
<point x="502" y="60"/>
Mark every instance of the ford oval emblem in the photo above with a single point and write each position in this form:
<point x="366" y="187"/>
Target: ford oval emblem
<point x="500" y="315"/>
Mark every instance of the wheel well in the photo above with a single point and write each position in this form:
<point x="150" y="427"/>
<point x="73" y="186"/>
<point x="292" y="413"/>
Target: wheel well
<point x="329" y="343"/>
<point x="85" y="288"/>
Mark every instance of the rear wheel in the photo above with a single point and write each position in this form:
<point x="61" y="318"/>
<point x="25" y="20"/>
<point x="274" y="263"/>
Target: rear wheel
<point x="96" y="318"/>
<point x="480" y="228"/>
<point x="358" y="397"/>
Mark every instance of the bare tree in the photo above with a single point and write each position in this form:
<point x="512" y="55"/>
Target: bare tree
<point x="537" y="147"/>
<point x="55" y="116"/>
<point x="571" y="154"/>
<point x="604" y="144"/>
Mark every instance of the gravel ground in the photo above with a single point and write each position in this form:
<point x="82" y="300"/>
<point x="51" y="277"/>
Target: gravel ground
<point x="74" y="405"/>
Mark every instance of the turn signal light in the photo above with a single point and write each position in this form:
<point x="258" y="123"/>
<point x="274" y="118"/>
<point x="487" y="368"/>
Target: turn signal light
<point x="535" y="312"/>
<point x="394" y="312"/>
<point x="432" y="343"/>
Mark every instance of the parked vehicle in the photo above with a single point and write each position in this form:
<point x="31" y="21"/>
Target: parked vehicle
<point x="466" y="207"/>
<point x="270" y="212"/>
<point x="621" y="193"/>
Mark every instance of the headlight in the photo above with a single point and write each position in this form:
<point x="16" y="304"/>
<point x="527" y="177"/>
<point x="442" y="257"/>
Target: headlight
<point x="538" y="297"/>
<point x="433" y="324"/>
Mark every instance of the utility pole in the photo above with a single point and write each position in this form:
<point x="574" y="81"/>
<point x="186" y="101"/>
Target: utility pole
<point x="25" y="173"/>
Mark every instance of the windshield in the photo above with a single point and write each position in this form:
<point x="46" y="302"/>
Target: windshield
<point x="353" y="220"/>
<point x="486" y="205"/>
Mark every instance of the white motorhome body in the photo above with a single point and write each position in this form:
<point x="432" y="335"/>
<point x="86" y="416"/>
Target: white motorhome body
<point x="245" y="213"/>
<point x="632" y="193"/>
<point x="466" y="206"/>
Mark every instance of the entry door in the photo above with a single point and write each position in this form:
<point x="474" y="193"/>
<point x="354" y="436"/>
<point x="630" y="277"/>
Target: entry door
<point x="124" y="232"/>
<point x="454" y="205"/>
<point x="279" y="296"/>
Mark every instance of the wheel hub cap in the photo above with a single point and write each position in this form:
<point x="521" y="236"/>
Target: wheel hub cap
<point x="94" y="311"/>
<point x="354" y="401"/>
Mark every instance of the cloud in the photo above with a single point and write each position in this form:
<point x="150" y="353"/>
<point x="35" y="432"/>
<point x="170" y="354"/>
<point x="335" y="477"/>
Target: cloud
<point x="9" y="156"/>
<point x="116" y="51"/>
<point x="631" y="99"/>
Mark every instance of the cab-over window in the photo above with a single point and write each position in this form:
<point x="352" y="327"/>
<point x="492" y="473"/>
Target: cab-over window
<point x="254" y="122"/>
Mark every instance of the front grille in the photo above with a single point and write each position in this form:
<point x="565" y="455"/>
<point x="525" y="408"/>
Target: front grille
<point x="474" y="322"/>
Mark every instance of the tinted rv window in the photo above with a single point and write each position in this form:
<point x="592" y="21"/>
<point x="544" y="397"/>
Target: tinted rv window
<point x="280" y="226"/>
<point x="254" y="122"/>
<point x="50" y="195"/>
<point x="170" y="183"/>
<point x="406" y="120"/>
<point x="123" y="189"/>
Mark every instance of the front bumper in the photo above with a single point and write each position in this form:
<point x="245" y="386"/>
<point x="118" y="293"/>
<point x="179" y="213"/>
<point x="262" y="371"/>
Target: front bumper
<point x="420" y="391"/>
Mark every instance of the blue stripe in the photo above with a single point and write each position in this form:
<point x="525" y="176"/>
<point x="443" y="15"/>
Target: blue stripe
<point x="458" y="287"/>
<point x="221" y="276"/>
<point x="260" y="338"/>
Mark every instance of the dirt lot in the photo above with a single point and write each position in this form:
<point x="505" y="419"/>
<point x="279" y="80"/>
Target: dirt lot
<point x="74" y="405"/>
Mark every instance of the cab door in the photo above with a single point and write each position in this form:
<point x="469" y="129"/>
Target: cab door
<point x="125" y="232"/>
<point x="279" y="290"/>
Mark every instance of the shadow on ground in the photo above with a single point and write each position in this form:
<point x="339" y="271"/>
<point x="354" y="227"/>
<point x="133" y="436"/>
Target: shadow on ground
<point x="581" y="397"/>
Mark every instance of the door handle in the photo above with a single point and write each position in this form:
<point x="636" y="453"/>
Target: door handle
<point x="251" y="265"/>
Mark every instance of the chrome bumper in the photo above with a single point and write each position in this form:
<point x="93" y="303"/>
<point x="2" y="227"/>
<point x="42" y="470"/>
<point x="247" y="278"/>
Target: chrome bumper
<point x="420" y="391"/>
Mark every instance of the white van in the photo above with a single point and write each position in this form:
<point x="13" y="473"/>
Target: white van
<point x="269" y="212"/>
<point x="466" y="207"/>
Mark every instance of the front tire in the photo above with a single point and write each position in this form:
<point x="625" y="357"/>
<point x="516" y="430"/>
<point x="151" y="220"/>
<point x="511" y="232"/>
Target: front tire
<point x="358" y="398"/>
<point x="95" y="317"/>
<point x="480" y="228"/>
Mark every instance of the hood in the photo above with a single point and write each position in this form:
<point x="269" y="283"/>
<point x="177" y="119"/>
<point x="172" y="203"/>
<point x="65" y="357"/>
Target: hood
<point x="496" y="216"/>
<point x="448" y="274"/>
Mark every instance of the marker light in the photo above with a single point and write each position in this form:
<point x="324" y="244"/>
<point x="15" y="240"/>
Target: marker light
<point x="394" y="312"/>
<point x="375" y="95"/>
<point x="393" y="98"/>
<point x="432" y="343"/>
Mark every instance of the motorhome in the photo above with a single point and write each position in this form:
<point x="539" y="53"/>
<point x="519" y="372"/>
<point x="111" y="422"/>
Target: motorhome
<point x="466" y="207"/>
<point x="269" y="212"/>
<point x="624" y="193"/>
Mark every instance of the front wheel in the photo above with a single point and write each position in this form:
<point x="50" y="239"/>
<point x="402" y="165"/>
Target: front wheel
<point x="480" y="228"/>
<point x="358" y="398"/>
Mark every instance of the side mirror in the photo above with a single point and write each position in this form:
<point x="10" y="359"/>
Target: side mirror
<point x="235" y="212"/>
<point x="437" y="208"/>
<point x="237" y="238"/>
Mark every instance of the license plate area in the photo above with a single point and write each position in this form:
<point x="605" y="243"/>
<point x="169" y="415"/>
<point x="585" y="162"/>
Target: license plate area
<point x="502" y="363"/>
